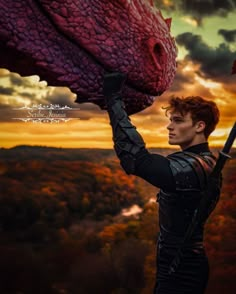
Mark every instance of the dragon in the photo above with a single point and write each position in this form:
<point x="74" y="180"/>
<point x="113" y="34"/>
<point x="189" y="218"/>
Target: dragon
<point x="74" y="43"/>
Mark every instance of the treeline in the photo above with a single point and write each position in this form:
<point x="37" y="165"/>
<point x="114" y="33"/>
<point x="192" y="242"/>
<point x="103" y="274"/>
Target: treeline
<point x="62" y="228"/>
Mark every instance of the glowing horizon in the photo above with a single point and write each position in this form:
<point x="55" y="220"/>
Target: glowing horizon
<point x="92" y="129"/>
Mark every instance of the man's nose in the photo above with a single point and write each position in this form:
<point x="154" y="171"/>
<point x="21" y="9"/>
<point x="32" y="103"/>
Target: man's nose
<point x="170" y="126"/>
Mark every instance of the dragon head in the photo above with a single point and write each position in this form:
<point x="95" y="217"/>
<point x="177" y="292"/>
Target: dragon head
<point x="73" y="43"/>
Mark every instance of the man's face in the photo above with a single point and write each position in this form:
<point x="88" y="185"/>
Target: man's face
<point x="181" y="130"/>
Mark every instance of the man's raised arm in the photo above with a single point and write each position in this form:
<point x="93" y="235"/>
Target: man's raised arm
<point x="127" y="141"/>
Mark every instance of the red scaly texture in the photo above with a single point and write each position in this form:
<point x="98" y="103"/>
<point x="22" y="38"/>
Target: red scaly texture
<point x="74" y="42"/>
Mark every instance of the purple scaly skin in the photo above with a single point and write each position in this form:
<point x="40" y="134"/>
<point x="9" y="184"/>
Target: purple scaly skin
<point x="73" y="43"/>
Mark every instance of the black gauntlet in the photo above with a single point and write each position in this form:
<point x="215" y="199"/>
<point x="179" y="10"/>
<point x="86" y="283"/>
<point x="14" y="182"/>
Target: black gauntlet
<point x="127" y="141"/>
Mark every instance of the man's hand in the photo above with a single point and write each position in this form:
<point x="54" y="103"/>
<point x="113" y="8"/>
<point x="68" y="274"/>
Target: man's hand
<point x="113" y="84"/>
<point x="127" y="141"/>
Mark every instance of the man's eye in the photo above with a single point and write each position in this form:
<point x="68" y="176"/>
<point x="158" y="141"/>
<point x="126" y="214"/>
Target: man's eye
<point x="178" y="120"/>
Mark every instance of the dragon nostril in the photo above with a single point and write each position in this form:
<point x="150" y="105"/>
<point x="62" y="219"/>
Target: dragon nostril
<point x="157" y="49"/>
<point x="159" y="56"/>
<point x="158" y="52"/>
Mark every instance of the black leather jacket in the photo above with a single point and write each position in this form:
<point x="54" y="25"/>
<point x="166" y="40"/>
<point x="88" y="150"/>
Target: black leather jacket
<point x="176" y="209"/>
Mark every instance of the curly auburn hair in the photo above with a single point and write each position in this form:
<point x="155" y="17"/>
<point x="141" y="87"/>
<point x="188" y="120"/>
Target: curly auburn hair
<point x="199" y="108"/>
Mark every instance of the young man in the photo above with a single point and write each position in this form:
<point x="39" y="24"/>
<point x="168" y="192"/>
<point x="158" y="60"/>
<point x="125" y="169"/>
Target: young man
<point x="181" y="177"/>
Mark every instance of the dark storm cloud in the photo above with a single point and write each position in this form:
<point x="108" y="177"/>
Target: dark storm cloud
<point x="181" y="78"/>
<point x="199" y="8"/>
<point x="208" y="7"/>
<point x="6" y="91"/>
<point x="228" y="35"/>
<point x="84" y="111"/>
<point x="215" y="63"/>
<point x="19" y="87"/>
<point x="27" y="95"/>
<point x="17" y="80"/>
<point x="60" y="96"/>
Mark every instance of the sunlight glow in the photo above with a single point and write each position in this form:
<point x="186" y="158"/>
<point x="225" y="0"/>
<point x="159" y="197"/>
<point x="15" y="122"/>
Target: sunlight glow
<point x="190" y="21"/>
<point x="208" y="83"/>
<point x="167" y="3"/>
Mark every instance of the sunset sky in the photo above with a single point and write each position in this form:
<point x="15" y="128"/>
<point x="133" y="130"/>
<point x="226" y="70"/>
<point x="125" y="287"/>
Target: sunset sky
<point x="206" y="40"/>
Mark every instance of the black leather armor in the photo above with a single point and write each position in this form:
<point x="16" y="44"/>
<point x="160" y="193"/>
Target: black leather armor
<point x="183" y="178"/>
<point x="127" y="141"/>
<point x="176" y="209"/>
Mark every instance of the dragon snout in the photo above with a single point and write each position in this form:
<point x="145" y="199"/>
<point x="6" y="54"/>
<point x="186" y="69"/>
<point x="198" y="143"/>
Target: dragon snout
<point x="162" y="57"/>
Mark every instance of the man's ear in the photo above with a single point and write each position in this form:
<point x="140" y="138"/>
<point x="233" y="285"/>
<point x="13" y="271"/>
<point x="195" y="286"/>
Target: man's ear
<point x="200" y="126"/>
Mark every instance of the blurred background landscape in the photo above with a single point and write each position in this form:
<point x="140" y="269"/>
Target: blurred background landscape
<point x="72" y="221"/>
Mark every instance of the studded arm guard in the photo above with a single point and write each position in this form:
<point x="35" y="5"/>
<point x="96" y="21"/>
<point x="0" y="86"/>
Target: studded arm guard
<point x="127" y="141"/>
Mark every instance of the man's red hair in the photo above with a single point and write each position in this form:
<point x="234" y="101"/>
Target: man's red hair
<point x="200" y="109"/>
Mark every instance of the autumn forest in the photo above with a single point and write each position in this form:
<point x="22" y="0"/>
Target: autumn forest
<point x="72" y="222"/>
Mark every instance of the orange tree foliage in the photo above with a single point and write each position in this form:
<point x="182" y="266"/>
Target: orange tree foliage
<point x="62" y="187"/>
<point x="61" y="225"/>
